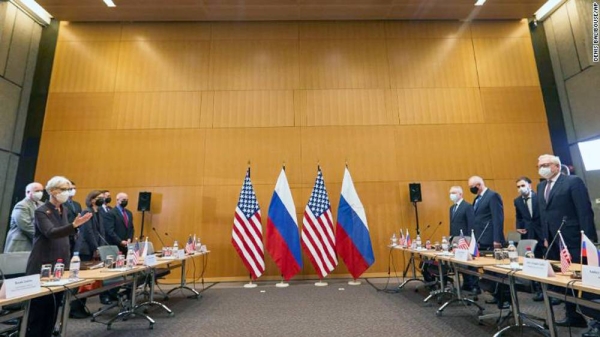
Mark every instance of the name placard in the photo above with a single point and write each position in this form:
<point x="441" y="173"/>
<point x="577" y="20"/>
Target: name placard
<point x="537" y="268"/>
<point x="462" y="255"/>
<point x="21" y="286"/>
<point x="180" y="254"/>
<point x="590" y="276"/>
<point x="150" y="260"/>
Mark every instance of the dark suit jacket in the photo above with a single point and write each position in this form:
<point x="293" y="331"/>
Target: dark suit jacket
<point x="568" y="199"/>
<point x="463" y="218"/>
<point x="116" y="231"/>
<point x="73" y="208"/>
<point x="489" y="209"/>
<point x="526" y="221"/>
<point x="51" y="238"/>
<point x="91" y="234"/>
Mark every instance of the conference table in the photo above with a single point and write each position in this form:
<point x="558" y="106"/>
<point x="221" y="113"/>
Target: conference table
<point x="174" y="263"/>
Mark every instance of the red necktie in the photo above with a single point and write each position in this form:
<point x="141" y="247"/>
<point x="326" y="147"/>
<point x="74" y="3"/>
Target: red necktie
<point x="125" y="218"/>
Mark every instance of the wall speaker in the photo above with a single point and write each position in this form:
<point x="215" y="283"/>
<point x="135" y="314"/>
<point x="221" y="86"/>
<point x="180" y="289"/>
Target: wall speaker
<point x="415" y="192"/>
<point x="144" y="201"/>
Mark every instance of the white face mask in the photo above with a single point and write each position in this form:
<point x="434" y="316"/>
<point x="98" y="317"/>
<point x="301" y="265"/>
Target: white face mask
<point x="545" y="172"/>
<point x="62" y="197"/>
<point x="524" y="190"/>
<point x="37" y="196"/>
<point x="454" y="197"/>
<point x="72" y="192"/>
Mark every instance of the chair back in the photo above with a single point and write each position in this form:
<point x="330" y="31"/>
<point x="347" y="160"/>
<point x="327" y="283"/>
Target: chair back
<point x="513" y="236"/>
<point x="523" y="244"/>
<point x="104" y="251"/>
<point x="14" y="264"/>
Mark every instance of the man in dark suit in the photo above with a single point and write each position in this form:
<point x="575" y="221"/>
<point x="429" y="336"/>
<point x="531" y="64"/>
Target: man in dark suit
<point x="489" y="215"/>
<point x="462" y="219"/>
<point x="73" y="209"/>
<point x="119" y="225"/>
<point x="565" y="199"/>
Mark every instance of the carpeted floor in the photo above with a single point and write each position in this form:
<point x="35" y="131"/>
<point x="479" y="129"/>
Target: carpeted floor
<point x="228" y="309"/>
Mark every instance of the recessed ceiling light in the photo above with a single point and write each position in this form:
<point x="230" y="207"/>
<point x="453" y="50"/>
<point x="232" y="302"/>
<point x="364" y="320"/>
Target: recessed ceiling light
<point x="480" y="2"/>
<point x="109" y="3"/>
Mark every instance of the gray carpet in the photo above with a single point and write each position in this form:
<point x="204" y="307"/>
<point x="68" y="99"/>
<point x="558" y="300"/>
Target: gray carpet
<point x="302" y="309"/>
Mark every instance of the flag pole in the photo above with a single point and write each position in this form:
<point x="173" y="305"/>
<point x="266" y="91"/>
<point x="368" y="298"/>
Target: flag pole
<point x="581" y="249"/>
<point x="321" y="283"/>
<point x="250" y="284"/>
<point x="282" y="284"/>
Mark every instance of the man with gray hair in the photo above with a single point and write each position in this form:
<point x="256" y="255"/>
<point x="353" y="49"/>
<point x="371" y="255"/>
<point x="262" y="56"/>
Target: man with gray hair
<point x="461" y="213"/>
<point x="21" y="230"/>
<point x="564" y="201"/>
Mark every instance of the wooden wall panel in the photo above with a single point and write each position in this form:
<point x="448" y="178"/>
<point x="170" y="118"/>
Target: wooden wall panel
<point x="342" y="30"/>
<point x="513" y="105"/>
<point x="253" y="65"/>
<point x="343" y="64"/>
<point x="163" y="66"/>
<point x="440" y="106"/>
<point x="506" y="62"/>
<point x="75" y="31"/>
<point x="442" y="152"/>
<point x="495" y="29"/>
<point x="253" y="109"/>
<point x="431" y="63"/>
<point x="162" y="110"/>
<point x="172" y="31"/>
<point x="255" y="31"/>
<point x="229" y="150"/>
<point x="349" y="107"/>
<point x="368" y="150"/>
<point x="84" y="67"/>
<point x="531" y="140"/>
<point x="78" y="111"/>
<point x="427" y="29"/>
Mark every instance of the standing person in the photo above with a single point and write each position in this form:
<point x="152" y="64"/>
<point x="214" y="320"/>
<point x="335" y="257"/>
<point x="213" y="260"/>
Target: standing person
<point x="73" y="208"/>
<point x="21" y="231"/>
<point x="565" y="199"/>
<point x="462" y="218"/>
<point x="119" y="224"/>
<point x="528" y="222"/>
<point x="50" y="243"/>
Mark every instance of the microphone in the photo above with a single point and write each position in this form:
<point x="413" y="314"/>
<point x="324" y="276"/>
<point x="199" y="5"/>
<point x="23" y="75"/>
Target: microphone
<point x="564" y="220"/>
<point x="103" y="239"/>
<point x="435" y="230"/>
<point x="484" y="229"/>
<point x="158" y="236"/>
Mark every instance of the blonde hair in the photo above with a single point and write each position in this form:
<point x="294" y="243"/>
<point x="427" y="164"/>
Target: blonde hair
<point x="56" y="181"/>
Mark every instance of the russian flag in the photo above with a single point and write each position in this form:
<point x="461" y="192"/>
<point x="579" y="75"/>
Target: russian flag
<point x="283" y="240"/>
<point x="473" y="249"/>
<point x="588" y="248"/>
<point x="352" y="231"/>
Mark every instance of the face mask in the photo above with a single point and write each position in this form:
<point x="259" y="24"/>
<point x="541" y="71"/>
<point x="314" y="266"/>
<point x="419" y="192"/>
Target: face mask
<point x="72" y="193"/>
<point x="99" y="202"/>
<point x="124" y="203"/>
<point x="107" y="200"/>
<point x="474" y="189"/>
<point x="37" y="196"/>
<point x="62" y="197"/>
<point x="524" y="190"/>
<point x="545" y="172"/>
<point x="453" y="197"/>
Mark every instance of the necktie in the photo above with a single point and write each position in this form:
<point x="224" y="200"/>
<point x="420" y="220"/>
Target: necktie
<point x="476" y="201"/>
<point x="455" y="208"/>
<point x="527" y="201"/>
<point x="547" y="192"/>
<point x="125" y="219"/>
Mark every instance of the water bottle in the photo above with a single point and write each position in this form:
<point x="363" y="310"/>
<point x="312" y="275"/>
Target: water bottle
<point x="529" y="253"/>
<point x="513" y="256"/>
<point x="198" y="245"/>
<point x="74" y="266"/>
<point x="59" y="269"/>
<point x="418" y="242"/>
<point x="130" y="262"/>
<point x="394" y="240"/>
<point x="428" y="244"/>
<point x="175" y="247"/>
<point x="445" y="246"/>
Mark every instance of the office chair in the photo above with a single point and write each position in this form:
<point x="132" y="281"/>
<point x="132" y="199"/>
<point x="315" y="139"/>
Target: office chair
<point x="104" y="252"/>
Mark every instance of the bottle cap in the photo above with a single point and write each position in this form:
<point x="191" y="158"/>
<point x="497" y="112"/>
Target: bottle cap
<point x="59" y="260"/>
<point x="75" y="253"/>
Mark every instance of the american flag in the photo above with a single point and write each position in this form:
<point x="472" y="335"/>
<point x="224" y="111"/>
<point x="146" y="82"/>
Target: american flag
<point x="401" y="239"/>
<point x="565" y="256"/>
<point x="246" y="236"/>
<point x="136" y="253"/>
<point x="318" y="239"/>
<point x="462" y="242"/>
<point x="189" y="246"/>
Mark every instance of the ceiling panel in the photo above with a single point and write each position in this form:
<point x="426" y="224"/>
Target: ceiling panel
<point x="270" y="10"/>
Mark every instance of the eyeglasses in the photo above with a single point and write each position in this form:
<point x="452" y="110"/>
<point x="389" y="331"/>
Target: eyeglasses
<point x="545" y="165"/>
<point x="64" y="189"/>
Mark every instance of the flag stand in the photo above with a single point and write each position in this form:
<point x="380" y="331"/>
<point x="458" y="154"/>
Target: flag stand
<point x="354" y="282"/>
<point x="250" y="285"/>
<point x="321" y="283"/>
<point x="282" y="284"/>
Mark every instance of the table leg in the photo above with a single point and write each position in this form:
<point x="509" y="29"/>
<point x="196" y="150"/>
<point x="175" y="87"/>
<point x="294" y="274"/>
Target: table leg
<point x="182" y="284"/>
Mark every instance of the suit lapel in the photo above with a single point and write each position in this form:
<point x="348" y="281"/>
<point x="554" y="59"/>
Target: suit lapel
<point x="557" y="184"/>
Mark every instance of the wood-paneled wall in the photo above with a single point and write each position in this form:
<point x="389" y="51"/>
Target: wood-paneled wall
<point x="179" y="109"/>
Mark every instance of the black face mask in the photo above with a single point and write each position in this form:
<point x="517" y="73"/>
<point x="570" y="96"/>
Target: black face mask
<point x="99" y="202"/>
<point x="124" y="203"/>
<point x="107" y="200"/>
<point x="474" y="189"/>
